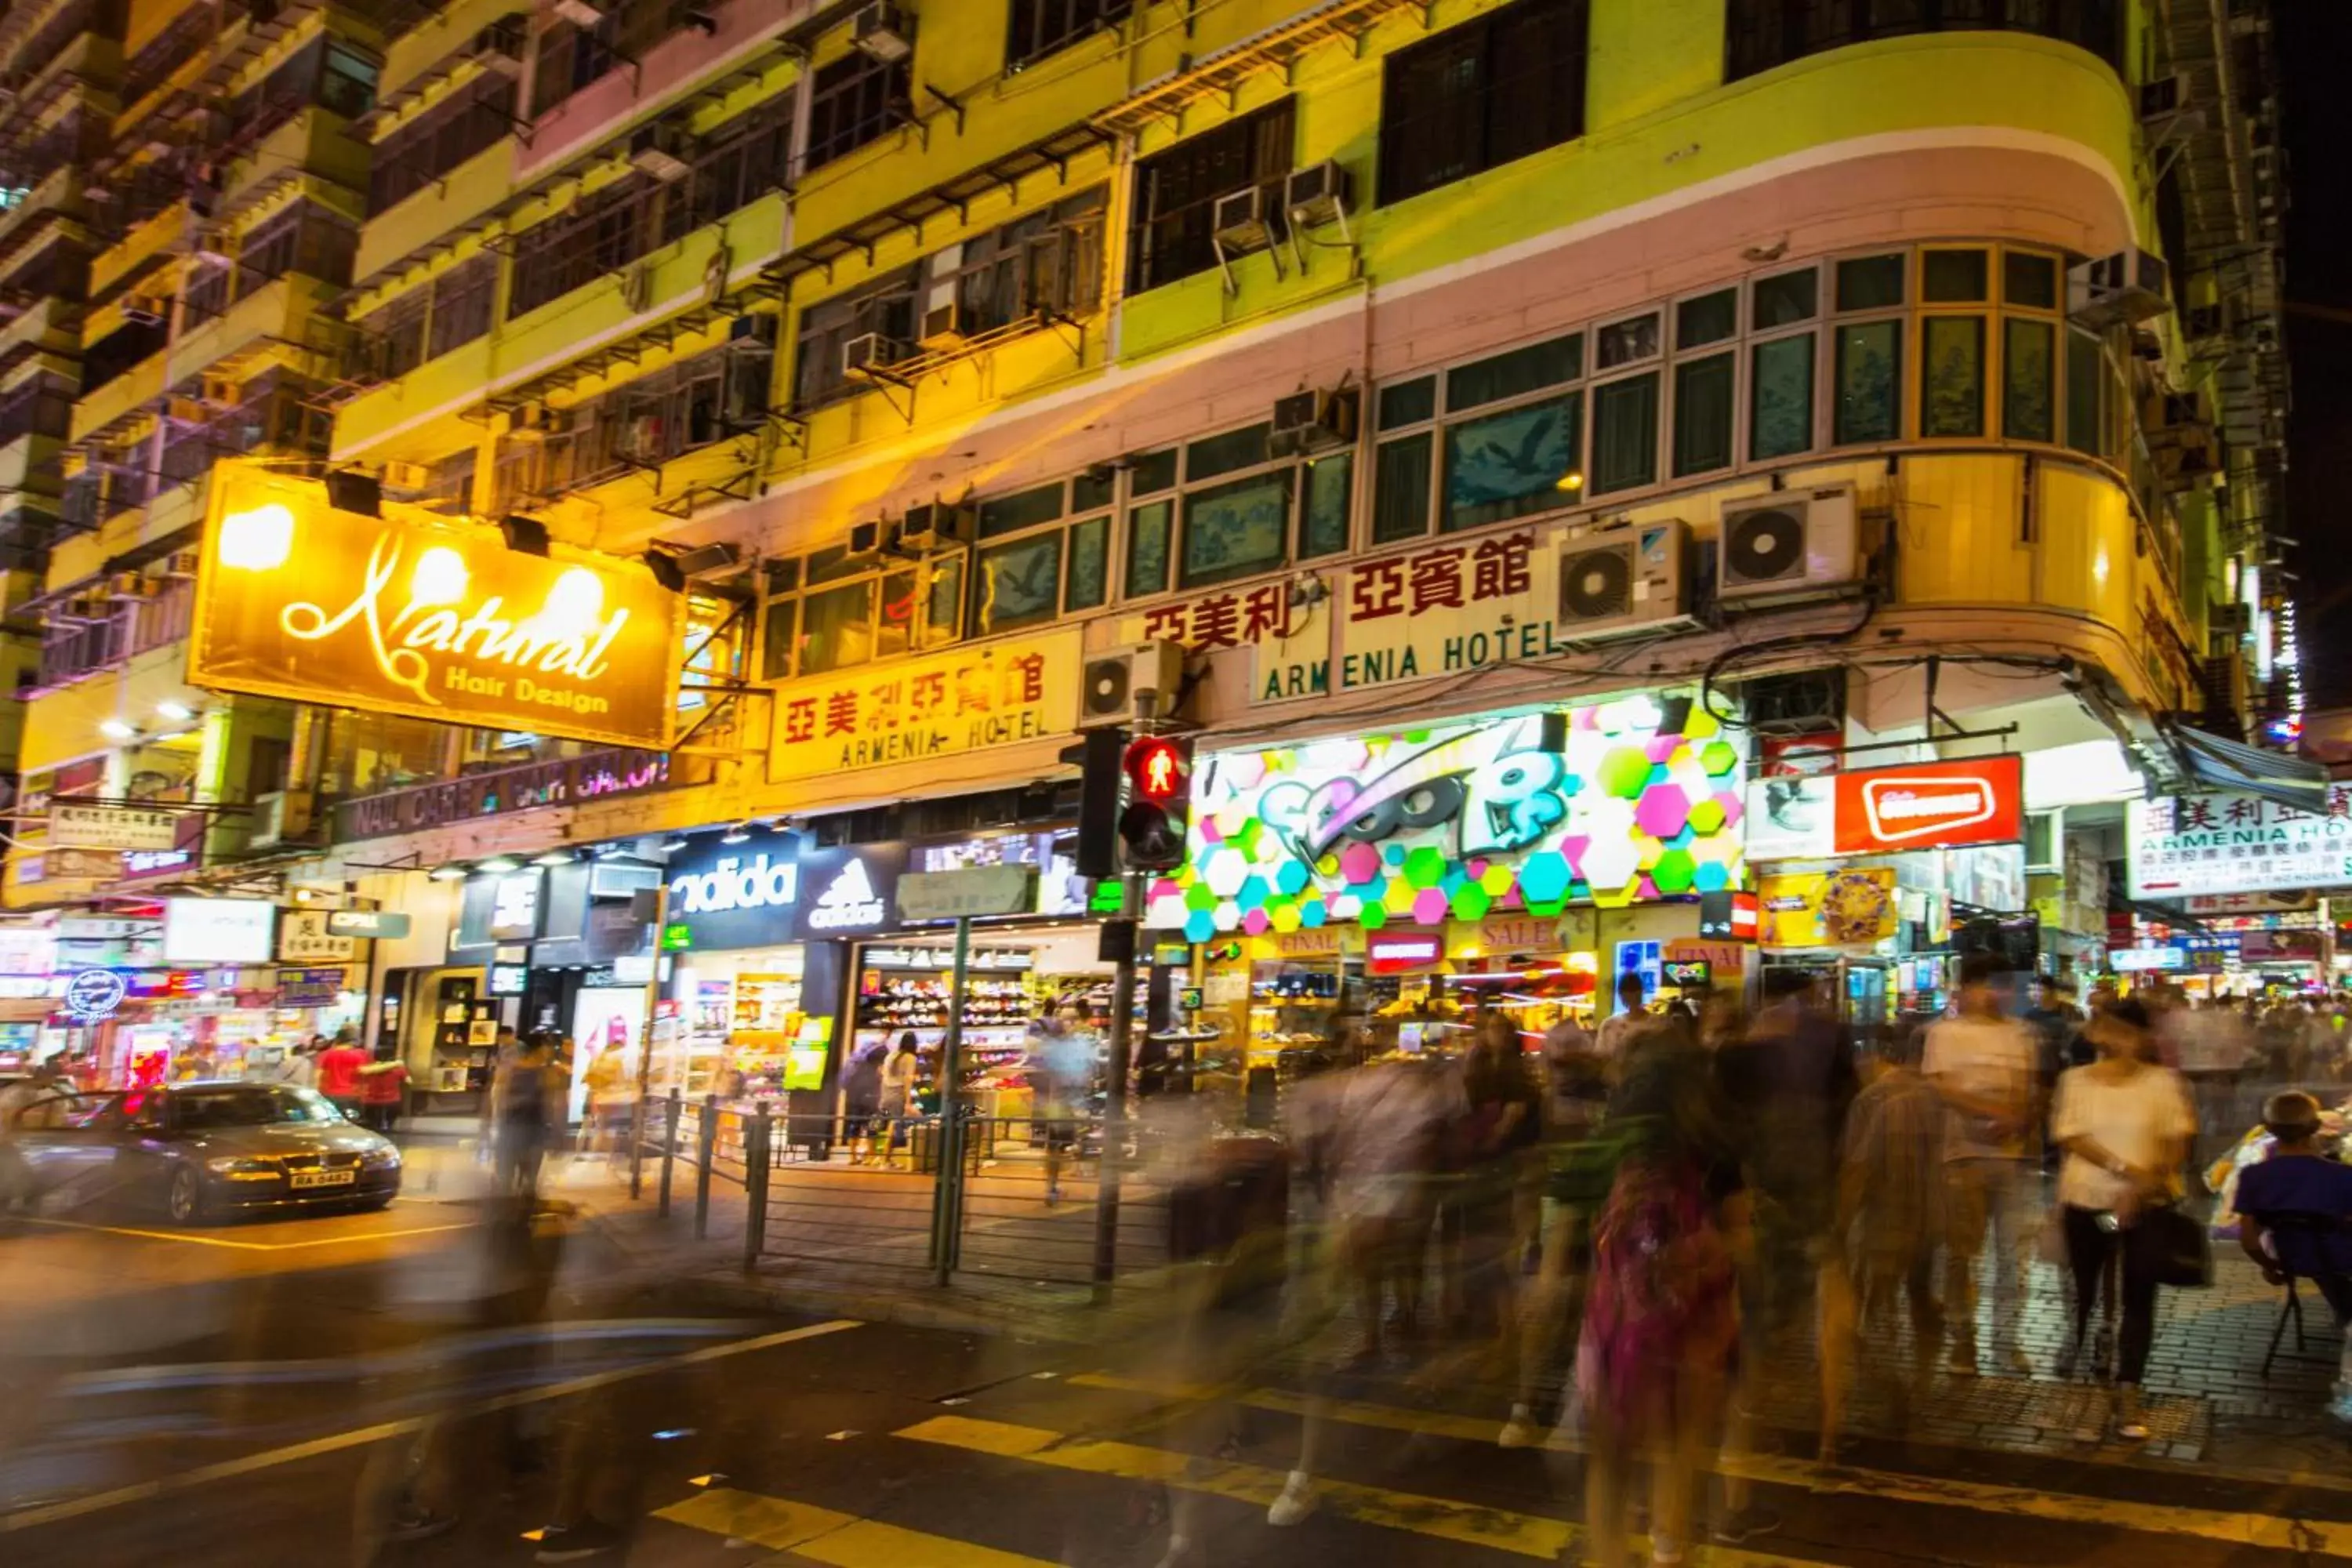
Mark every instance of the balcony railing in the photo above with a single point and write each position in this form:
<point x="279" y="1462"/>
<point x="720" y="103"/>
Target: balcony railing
<point x="84" y="648"/>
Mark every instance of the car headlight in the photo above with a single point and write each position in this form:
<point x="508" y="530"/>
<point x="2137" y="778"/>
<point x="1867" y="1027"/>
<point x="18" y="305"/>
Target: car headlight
<point x="240" y="1165"/>
<point x="383" y="1159"/>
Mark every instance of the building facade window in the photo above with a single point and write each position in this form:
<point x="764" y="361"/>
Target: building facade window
<point x="1040" y="28"/>
<point x="1047" y="263"/>
<point x="854" y="101"/>
<point x="1763" y="34"/>
<point x="470" y="121"/>
<point x="1481" y="94"/>
<point x="572" y="57"/>
<point x="1177" y="190"/>
<point x="602" y="233"/>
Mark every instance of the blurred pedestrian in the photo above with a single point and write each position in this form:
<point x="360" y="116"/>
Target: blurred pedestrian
<point x="1982" y="1064"/>
<point x="528" y="1112"/>
<point x="383" y="1088"/>
<point x="2127" y="1124"/>
<point x="898" y="1076"/>
<point x="1789" y="1083"/>
<point x="339" y="1068"/>
<point x="1610" y="1043"/>
<point x="861" y="1100"/>
<point x="1661" y="1328"/>
<point x="1885" y="1233"/>
<point x="1481" y="1216"/>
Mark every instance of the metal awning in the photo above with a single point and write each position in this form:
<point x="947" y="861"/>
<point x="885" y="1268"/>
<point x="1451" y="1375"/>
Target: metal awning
<point x="1056" y="152"/>
<point x="1277" y="47"/>
<point x="2221" y="764"/>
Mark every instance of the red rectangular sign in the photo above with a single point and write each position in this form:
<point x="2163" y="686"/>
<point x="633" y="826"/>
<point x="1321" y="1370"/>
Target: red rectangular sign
<point x="1931" y="805"/>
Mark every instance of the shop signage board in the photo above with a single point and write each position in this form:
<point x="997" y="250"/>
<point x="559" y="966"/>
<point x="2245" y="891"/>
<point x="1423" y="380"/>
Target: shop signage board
<point x="138" y="864"/>
<point x="385" y="923"/>
<point x="28" y="950"/>
<point x="95" y="993"/>
<point x="78" y="824"/>
<point x="2281" y="947"/>
<point x="727" y="896"/>
<point x="412" y="614"/>
<point x="971" y="892"/>
<point x="1852" y="906"/>
<point x="70" y="866"/>
<point x="500" y="792"/>
<point x="1398" y="953"/>
<point x="2129" y="960"/>
<point x="310" y="987"/>
<point x="304" y="936"/>
<point x="1458" y="821"/>
<point x="2293" y="902"/>
<point x="942" y="705"/>
<point x="218" y="930"/>
<point x="1882" y="811"/>
<point x="2214" y="845"/>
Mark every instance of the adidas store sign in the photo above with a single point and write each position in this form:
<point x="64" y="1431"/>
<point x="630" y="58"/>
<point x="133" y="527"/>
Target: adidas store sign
<point x="848" y="901"/>
<point x="764" y="883"/>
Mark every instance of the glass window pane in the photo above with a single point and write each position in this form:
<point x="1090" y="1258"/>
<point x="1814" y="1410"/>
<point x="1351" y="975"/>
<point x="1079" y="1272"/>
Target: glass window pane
<point x="1147" y="548"/>
<point x="1408" y="401"/>
<point x="783" y="573"/>
<point x="837" y="628"/>
<point x="1951" y="396"/>
<point x="1234" y="529"/>
<point x="1223" y="454"/>
<point x="1870" y="283"/>
<point x="1626" y="343"/>
<point x="1152" y="471"/>
<point x="1869" y="403"/>
<point x="1521" y="370"/>
<point x="1090" y="493"/>
<point x="943" y="619"/>
<point x="1703" y="414"/>
<point x="1089" y="584"/>
<point x="1401" y="489"/>
<point x="2084" y="371"/>
<point x="1709" y="319"/>
<point x="1019" y="583"/>
<point x="1625" y="433"/>
<point x="2029" y="279"/>
<point x="1010" y="514"/>
<point x="1784" y="299"/>
<point x="1515" y="463"/>
<point x="1323" y="525"/>
<point x="777" y="635"/>
<point x="1781" y="397"/>
<point x="2029" y="381"/>
<point x="894" y="630"/>
<point x="1954" y="277"/>
<point x="833" y="562"/>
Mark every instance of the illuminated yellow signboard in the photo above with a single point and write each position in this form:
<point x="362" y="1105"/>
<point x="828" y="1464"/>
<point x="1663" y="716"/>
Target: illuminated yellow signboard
<point x="412" y="614"/>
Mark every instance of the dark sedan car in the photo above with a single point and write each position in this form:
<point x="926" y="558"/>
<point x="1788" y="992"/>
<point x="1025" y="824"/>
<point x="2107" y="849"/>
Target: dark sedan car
<point x="196" y="1150"/>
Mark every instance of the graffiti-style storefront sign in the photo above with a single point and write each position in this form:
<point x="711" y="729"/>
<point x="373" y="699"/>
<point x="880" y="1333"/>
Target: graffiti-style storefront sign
<point x="997" y="694"/>
<point x="1507" y="816"/>
<point x="412" y="614"/>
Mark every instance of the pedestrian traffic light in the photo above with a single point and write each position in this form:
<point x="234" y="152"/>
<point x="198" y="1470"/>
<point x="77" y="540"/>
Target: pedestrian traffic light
<point x="1158" y="771"/>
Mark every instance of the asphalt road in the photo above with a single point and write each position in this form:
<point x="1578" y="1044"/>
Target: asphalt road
<point x="265" y="1394"/>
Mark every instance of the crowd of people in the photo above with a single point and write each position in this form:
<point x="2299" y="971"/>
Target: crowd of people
<point x="1664" y="1207"/>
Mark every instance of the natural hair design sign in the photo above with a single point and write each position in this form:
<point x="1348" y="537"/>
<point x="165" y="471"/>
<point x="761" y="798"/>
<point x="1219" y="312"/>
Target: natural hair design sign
<point x="412" y="614"/>
<point x="1611" y="804"/>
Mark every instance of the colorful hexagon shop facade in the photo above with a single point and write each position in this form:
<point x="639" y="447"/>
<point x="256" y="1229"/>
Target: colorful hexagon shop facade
<point x="1461" y="820"/>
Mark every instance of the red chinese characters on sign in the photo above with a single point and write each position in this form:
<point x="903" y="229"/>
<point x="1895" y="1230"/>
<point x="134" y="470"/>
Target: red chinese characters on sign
<point x="1227" y="618"/>
<point x="1448" y="577"/>
<point x="999" y="695"/>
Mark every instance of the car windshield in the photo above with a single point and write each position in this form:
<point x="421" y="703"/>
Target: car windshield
<point x="66" y="1111"/>
<point x="255" y="1105"/>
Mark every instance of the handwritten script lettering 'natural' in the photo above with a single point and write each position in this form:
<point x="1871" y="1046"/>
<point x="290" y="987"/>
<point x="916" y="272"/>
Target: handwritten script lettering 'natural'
<point x="570" y="634"/>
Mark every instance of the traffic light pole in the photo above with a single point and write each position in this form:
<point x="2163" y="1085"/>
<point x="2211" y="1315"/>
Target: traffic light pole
<point x="1114" y="1135"/>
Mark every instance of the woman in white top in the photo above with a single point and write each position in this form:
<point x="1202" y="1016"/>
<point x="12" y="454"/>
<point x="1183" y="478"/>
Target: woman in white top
<point x="898" y="1076"/>
<point x="2125" y="1124"/>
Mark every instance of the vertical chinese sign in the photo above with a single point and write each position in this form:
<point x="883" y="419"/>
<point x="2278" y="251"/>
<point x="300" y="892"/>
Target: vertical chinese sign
<point x="995" y="694"/>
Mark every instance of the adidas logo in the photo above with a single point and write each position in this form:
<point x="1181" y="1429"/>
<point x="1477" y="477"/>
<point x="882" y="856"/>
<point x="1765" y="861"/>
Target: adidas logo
<point x="849" y="899"/>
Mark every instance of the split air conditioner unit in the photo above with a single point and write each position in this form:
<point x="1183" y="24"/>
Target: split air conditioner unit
<point x="1624" y="579"/>
<point x="1139" y="681"/>
<point x="1787" y="545"/>
<point x="2116" y="290"/>
<point x="1313" y="421"/>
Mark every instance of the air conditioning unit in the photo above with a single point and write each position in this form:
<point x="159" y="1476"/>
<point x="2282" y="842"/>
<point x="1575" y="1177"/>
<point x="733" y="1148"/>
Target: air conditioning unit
<point x="935" y="525"/>
<point x="753" y="334"/>
<point x="1314" y="421"/>
<point x="2116" y="290"/>
<point x="870" y="351"/>
<point x="221" y="390"/>
<point x="131" y="586"/>
<point x="865" y="538"/>
<point x="145" y="309"/>
<point x="406" y="476"/>
<point x="1787" y="545"/>
<point x="2211" y="324"/>
<point x="180" y="563"/>
<point x="1239" y="222"/>
<point x="883" y="32"/>
<point x="943" y="328"/>
<point x="187" y="410"/>
<point x="2167" y="413"/>
<point x="1141" y="681"/>
<point x="1316" y="194"/>
<point x="2167" y="105"/>
<point x="662" y="151"/>
<point x="1622" y="579"/>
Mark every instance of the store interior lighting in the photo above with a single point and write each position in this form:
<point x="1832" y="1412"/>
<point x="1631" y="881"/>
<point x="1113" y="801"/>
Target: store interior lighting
<point x="452" y="871"/>
<point x="672" y="846"/>
<point x="499" y="863"/>
<point x="738" y="834"/>
<point x="118" y="730"/>
<point x="554" y="857"/>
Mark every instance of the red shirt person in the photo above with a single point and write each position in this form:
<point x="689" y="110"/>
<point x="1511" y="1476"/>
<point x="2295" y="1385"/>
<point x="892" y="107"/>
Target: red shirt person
<point x="338" y="1071"/>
